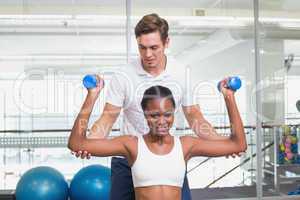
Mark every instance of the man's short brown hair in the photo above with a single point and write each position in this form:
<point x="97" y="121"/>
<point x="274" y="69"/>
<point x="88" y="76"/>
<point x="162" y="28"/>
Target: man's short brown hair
<point x="152" y="23"/>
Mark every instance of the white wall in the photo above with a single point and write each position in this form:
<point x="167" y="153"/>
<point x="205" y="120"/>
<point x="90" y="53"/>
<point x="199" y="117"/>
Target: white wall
<point x="235" y="60"/>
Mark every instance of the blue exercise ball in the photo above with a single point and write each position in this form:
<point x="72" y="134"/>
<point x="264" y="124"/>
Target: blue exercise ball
<point x="42" y="183"/>
<point x="91" y="183"/>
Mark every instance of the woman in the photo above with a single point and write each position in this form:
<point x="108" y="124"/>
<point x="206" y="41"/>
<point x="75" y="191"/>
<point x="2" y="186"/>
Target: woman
<point x="157" y="159"/>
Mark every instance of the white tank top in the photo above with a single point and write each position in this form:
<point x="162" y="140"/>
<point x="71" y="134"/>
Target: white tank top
<point x="151" y="169"/>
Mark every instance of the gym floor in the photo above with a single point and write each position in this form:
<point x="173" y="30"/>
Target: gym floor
<point x="230" y="193"/>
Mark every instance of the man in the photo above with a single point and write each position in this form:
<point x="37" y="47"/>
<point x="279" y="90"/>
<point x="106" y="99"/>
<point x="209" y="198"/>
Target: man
<point x="125" y="91"/>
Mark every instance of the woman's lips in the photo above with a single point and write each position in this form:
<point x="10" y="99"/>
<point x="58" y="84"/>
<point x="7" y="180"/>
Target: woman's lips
<point x="162" y="129"/>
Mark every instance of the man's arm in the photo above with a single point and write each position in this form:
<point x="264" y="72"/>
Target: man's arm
<point x="98" y="147"/>
<point x="102" y="127"/>
<point x="234" y="144"/>
<point x="201" y="127"/>
<point x="115" y="97"/>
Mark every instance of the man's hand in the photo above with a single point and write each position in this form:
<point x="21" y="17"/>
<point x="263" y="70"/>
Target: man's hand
<point x="81" y="154"/>
<point x="236" y="155"/>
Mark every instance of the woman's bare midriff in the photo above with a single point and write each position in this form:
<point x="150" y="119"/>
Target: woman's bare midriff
<point x="158" y="192"/>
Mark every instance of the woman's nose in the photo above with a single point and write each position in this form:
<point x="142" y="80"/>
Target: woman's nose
<point x="161" y="120"/>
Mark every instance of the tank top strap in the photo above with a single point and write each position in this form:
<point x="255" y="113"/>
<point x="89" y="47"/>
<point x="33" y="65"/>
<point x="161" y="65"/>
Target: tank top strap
<point x="177" y="146"/>
<point x="142" y="146"/>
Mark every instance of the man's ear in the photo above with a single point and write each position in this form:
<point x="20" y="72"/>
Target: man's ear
<point x="167" y="41"/>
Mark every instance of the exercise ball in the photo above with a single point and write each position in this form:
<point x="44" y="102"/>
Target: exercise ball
<point x="91" y="183"/>
<point x="289" y="155"/>
<point x="293" y="139"/>
<point x="288" y="140"/>
<point x="282" y="148"/>
<point x="288" y="150"/>
<point x="294" y="148"/>
<point x="287" y="145"/>
<point x="42" y="183"/>
<point x="286" y="130"/>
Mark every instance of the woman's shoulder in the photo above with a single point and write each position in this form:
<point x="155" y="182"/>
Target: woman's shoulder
<point x="124" y="139"/>
<point x="129" y="142"/>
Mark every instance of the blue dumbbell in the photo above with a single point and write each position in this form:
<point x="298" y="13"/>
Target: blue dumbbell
<point x="90" y="81"/>
<point x="234" y="83"/>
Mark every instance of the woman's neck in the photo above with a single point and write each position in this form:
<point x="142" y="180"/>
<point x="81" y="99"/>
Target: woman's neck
<point x="160" y="139"/>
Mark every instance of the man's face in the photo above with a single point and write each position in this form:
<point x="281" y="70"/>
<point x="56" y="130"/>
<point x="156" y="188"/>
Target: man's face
<point x="151" y="48"/>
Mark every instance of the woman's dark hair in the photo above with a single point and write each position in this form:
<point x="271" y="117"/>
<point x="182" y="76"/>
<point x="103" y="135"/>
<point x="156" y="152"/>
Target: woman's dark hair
<point x="156" y="92"/>
<point x="152" y="23"/>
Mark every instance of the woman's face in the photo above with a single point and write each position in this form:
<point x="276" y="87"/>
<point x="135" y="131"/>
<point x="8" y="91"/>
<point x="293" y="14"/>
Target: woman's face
<point x="159" y="114"/>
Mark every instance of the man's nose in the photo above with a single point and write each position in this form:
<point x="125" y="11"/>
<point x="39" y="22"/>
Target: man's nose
<point x="148" y="53"/>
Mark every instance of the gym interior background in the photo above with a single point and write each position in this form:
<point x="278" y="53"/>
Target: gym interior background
<point x="46" y="47"/>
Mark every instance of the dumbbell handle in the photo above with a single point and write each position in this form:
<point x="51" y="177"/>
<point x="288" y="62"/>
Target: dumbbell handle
<point x="234" y="83"/>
